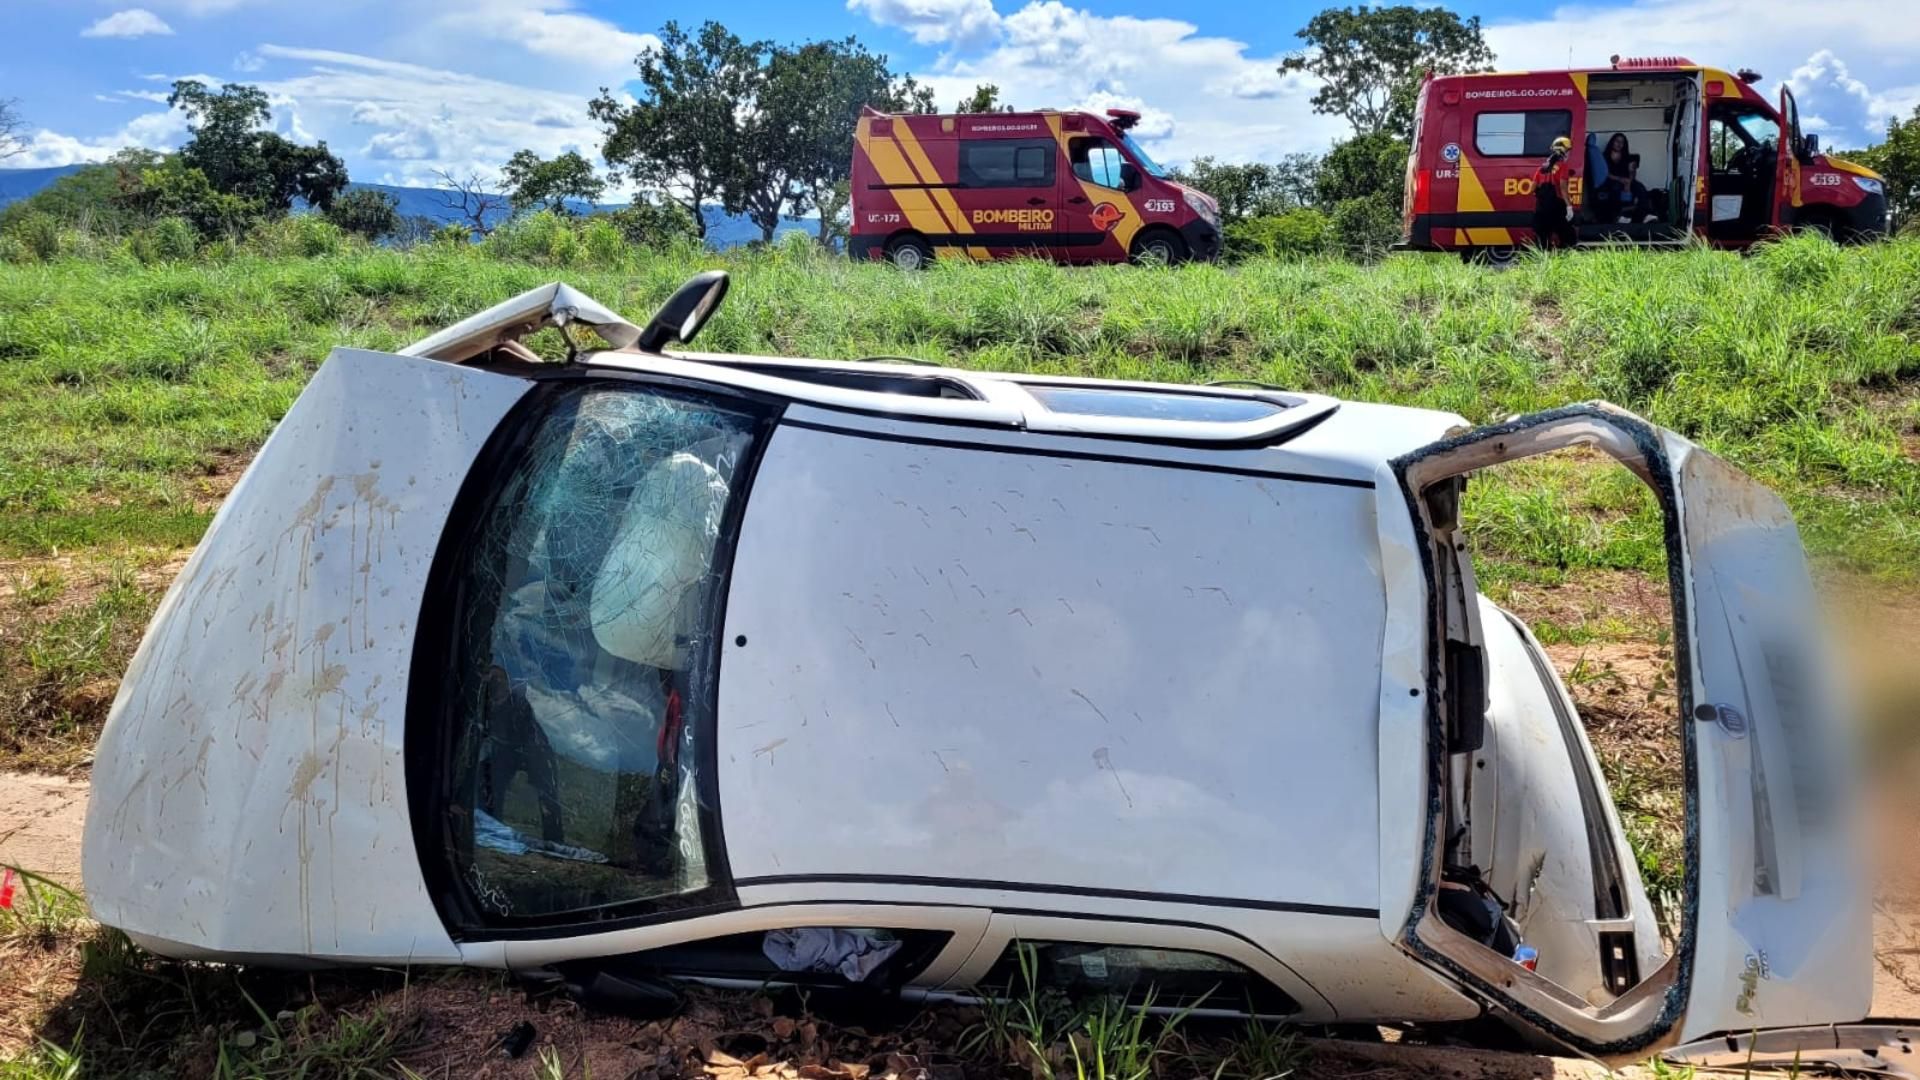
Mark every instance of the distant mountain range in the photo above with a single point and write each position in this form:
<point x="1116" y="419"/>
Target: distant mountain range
<point x="724" y="230"/>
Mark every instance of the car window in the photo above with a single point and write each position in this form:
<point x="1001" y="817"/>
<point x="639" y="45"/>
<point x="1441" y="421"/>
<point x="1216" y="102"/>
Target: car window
<point x="988" y="163"/>
<point x="1097" y="160"/>
<point x="1147" y="405"/>
<point x="1137" y="974"/>
<point x="582" y="642"/>
<point x="1520" y="134"/>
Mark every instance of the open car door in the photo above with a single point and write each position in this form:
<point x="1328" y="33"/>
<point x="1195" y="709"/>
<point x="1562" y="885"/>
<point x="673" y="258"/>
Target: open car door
<point x="1786" y="175"/>
<point x="1776" y="930"/>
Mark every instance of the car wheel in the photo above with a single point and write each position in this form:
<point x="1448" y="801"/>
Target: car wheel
<point x="1499" y="257"/>
<point x="910" y="253"/>
<point x="1160" y="246"/>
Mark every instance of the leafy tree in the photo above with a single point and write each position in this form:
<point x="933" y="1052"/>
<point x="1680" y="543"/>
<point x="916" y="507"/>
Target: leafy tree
<point x="373" y="215"/>
<point x="1362" y="167"/>
<point x="537" y="184"/>
<point x="175" y="189"/>
<point x="1367" y="226"/>
<point x="682" y="135"/>
<point x="1371" y="60"/>
<point x="797" y="137"/>
<point x="238" y="158"/>
<point x="467" y="195"/>
<point x="1898" y="160"/>
<point x="11" y="125"/>
<point x="908" y="96"/>
<point x="984" y="99"/>
<point x="1243" y="191"/>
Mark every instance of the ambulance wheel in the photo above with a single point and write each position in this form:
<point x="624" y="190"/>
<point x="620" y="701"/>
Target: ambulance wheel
<point x="1499" y="257"/>
<point x="1159" y="246"/>
<point x="909" y="253"/>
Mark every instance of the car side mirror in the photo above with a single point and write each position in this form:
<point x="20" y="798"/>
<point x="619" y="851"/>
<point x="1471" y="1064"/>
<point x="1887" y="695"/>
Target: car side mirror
<point x="685" y="312"/>
<point x="1812" y="143"/>
<point x="1129" y="176"/>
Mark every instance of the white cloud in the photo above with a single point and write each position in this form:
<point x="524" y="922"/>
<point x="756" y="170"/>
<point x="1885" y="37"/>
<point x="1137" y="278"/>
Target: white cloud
<point x="1774" y="37"/>
<point x="963" y="24"/>
<point x="411" y="119"/>
<point x="132" y="23"/>
<point x="248" y="61"/>
<point x="154" y="131"/>
<point x="549" y="28"/>
<point x="1197" y="94"/>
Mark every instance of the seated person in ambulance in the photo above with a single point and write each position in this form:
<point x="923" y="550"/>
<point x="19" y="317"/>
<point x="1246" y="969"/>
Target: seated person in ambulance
<point x="1618" y="194"/>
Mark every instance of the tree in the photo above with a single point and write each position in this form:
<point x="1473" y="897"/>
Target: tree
<point x="797" y="138"/>
<point x="175" y="189"/>
<point x="681" y="136"/>
<point x="984" y="99"/>
<point x="238" y="158"/>
<point x="1898" y="161"/>
<point x="11" y="125"/>
<point x="534" y="183"/>
<point x="1243" y="191"/>
<point x="1371" y="60"/>
<point x="1364" y="166"/>
<point x="467" y="195"/>
<point x="374" y="215"/>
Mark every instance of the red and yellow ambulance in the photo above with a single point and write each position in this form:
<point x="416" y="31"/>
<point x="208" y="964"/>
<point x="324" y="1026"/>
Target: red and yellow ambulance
<point x="1663" y="149"/>
<point x="1068" y="186"/>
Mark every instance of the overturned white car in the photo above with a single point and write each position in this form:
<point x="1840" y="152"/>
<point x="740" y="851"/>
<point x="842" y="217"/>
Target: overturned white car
<point x="743" y="668"/>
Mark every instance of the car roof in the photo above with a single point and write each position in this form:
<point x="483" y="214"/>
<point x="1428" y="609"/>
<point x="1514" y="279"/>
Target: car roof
<point x="1316" y="432"/>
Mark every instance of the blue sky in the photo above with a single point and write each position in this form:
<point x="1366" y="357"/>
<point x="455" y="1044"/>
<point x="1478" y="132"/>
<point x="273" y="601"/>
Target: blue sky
<point x="400" y="88"/>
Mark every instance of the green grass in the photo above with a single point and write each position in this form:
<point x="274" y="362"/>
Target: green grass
<point x="122" y="385"/>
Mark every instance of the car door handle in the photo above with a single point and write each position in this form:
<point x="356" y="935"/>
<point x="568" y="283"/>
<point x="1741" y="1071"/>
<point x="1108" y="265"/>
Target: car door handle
<point x="1078" y="200"/>
<point x="1036" y="201"/>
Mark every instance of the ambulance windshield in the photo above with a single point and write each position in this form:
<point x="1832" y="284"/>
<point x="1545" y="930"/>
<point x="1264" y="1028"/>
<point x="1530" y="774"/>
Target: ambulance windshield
<point x="1141" y="156"/>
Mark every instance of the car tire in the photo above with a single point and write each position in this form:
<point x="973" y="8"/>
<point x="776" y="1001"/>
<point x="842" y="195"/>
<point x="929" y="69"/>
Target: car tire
<point x="910" y="253"/>
<point x="1499" y="257"/>
<point x="1161" y="246"/>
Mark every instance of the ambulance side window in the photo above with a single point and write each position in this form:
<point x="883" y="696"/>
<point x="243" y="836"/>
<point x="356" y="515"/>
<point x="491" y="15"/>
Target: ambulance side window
<point x="1520" y="134"/>
<point x="1097" y="160"/>
<point x="997" y="163"/>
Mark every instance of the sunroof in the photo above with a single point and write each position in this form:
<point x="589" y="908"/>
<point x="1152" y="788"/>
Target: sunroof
<point x="1153" y="405"/>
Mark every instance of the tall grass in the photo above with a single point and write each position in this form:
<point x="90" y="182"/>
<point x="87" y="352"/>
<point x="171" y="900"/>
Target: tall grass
<point x="121" y="384"/>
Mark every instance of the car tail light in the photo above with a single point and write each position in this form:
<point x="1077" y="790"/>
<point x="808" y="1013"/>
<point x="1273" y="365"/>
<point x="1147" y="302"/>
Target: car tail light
<point x="1422" y="190"/>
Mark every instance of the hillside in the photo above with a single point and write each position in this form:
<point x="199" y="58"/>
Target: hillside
<point x="724" y="230"/>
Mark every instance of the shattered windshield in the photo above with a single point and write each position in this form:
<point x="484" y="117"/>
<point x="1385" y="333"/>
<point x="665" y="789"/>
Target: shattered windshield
<point x="583" y="653"/>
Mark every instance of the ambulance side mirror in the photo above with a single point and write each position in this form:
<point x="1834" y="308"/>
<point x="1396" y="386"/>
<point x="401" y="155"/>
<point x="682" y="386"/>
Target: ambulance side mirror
<point x="1129" y="176"/>
<point x="1812" y="143"/>
<point x="685" y="312"/>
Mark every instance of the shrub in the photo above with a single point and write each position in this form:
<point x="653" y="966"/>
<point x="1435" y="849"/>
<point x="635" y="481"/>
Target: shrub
<point x="307" y="236"/>
<point x="453" y="233"/>
<point x="544" y="237"/>
<point x="604" y="244"/>
<point x="37" y="235"/>
<point x="645" y="224"/>
<point x="1297" y="233"/>
<point x="368" y="214"/>
<point x="1366" y="227"/>
<point x="170" y="239"/>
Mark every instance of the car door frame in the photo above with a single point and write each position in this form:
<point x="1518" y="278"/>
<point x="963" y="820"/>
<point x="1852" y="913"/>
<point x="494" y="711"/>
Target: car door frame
<point x="1688" y="997"/>
<point x="1786" y="168"/>
<point x="432" y="707"/>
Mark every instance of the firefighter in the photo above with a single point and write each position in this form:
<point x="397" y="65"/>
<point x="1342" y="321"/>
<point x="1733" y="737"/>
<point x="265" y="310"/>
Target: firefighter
<point x="1552" y="209"/>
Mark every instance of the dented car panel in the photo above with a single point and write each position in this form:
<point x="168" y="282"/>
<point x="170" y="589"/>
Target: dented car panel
<point x="655" y="662"/>
<point x="250" y="799"/>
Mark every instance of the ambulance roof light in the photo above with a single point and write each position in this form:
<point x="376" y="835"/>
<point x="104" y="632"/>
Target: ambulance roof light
<point x="1123" y="118"/>
<point x="1632" y="62"/>
<point x="1747" y="75"/>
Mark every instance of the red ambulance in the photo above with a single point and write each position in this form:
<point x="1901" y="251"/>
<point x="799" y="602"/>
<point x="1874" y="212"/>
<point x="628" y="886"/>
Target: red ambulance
<point x="1663" y="150"/>
<point x="1067" y="186"/>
